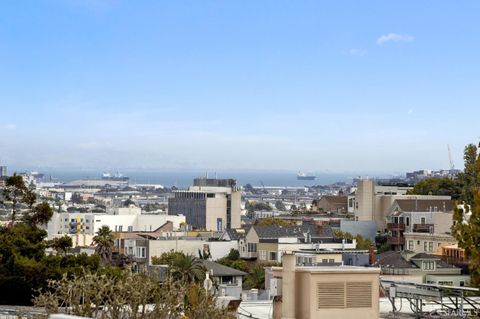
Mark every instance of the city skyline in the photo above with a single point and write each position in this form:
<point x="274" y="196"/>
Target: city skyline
<point x="274" y="85"/>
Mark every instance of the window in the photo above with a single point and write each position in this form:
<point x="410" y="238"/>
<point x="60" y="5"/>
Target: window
<point x="227" y="280"/>
<point x="130" y="228"/>
<point x="331" y="261"/>
<point x="446" y="283"/>
<point x="430" y="246"/>
<point x="273" y="255"/>
<point x="120" y="228"/>
<point x="425" y="246"/>
<point x="422" y="220"/>
<point x="428" y="265"/>
<point x="418" y="242"/>
<point x="325" y="260"/>
<point x="262" y="254"/>
<point x="252" y="247"/>
<point x="410" y="245"/>
<point x="407" y="221"/>
<point x="141" y="252"/>
<point x="462" y="283"/>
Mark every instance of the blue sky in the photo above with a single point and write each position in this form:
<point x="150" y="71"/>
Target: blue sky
<point x="379" y="86"/>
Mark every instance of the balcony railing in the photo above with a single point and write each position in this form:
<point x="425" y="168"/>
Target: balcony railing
<point x="395" y="226"/>
<point x="396" y="240"/>
<point x="423" y="228"/>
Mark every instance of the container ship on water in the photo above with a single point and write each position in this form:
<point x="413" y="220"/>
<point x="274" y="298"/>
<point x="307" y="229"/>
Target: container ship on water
<point x="118" y="177"/>
<point x="305" y="177"/>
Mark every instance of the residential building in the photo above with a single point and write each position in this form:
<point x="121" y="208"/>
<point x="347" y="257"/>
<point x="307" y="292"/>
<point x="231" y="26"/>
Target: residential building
<point x="90" y="223"/>
<point x="421" y="268"/>
<point x="331" y="204"/>
<point x="374" y="202"/>
<point x="210" y="204"/>
<point x="227" y="281"/>
<point x="267" y="243"/>
<point x="418" y="216"/>
<point x="427" y="242"/>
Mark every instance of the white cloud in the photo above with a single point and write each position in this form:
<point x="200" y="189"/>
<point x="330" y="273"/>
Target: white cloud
<point x="357" y="52"/>
<point x="410" y="112"/>
<point x="9" y="126"/>
<point x="394" y="37"/>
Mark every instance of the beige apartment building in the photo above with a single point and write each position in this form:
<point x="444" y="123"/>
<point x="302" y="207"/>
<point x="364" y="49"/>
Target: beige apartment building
<point x="426" y="242"/>
<point x="374" y="202"/>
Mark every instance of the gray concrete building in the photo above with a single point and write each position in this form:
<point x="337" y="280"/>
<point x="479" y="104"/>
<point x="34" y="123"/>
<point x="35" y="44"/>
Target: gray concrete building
<point x="210" y="204"/>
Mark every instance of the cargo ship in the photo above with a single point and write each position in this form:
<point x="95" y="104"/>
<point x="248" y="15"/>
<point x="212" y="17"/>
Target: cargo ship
<point x="115" y="177"/>
<point x="305" y="177"/>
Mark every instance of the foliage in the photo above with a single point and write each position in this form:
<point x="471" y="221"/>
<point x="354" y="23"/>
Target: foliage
<point x="127" y="296"/>
<point x="256" y="278"/>
<point x="202" y="254"/>
<point x="234" y="254"/>
<point x="276" y="221"/>
<point x="61" y="244"/>
<point x="252" y="206"/>
<point x="182" y="267"/>
<point x="383" y="248"/>
<point x="104" y="241"/>
<point x="467" y="230"/>
<point x="17" y="192"/>
<point x="362" y="243"/>
<point x="40" y="215"/>
<point x="438" y="186"/>
<point x="24" y="267"/>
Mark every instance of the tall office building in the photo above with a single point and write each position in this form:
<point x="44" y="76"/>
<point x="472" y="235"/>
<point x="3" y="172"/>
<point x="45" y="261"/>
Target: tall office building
<point x="3" y="171"/>
<point x="210" y="204"/>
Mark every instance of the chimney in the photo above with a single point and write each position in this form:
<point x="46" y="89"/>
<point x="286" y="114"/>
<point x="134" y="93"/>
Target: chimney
<point x="288" y="286"/>
<point x="372" y="255"/>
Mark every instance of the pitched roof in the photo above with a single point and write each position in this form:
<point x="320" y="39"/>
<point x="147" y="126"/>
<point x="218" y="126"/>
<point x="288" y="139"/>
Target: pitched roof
<point x="277" y="231"/>
<point x="221" y="270"/>
<point x="393" y="259"/>
<point x="233" y="234"/>
<point x="396" y="259"/>
<point x="424" y="205"/>
<point x="424" y="256"/>
<point x="335" y="199"/>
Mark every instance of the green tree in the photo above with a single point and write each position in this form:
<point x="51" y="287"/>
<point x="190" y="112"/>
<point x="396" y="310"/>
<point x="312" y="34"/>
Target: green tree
<point x="181" y="266"/>
<point x="438" y="186"/>
<point x="16" y="192"/>
<point x="256" y="278"/>
<point x="61" y="244"/>
<point x="188" y="269"/>
<point x="234" y="254"/>
<point x="467" y="230"/>
<point x="104" y="241"/>
<point x="39" y="215"/>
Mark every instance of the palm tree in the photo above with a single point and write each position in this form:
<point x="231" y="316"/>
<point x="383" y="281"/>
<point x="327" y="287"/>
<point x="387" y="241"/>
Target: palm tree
<point x="104" y="241"/>
<point x="188" y="268"/>
<point x="256" y="278"/>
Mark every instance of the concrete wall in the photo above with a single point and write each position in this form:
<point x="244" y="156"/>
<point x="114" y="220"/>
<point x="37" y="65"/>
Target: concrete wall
<point x="216" y="208"/>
